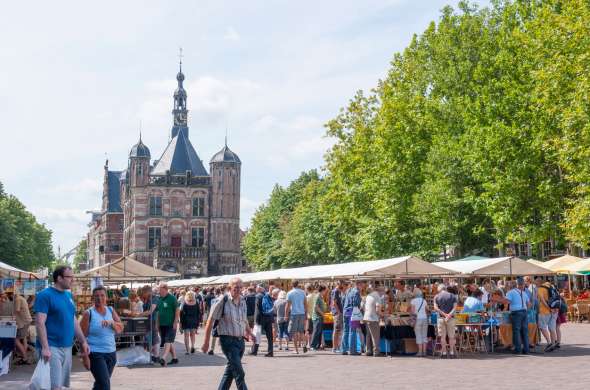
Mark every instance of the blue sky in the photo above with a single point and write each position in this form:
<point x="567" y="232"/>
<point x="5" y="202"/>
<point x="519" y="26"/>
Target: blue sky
<point x="76" y="79"/>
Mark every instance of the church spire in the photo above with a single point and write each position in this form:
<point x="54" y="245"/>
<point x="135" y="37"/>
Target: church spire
<point x="179" y="112"/>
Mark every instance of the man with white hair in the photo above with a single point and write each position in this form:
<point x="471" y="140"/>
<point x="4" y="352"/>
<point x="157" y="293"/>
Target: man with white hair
<point x="445" y="304"/>
<point x="231" y="326"/>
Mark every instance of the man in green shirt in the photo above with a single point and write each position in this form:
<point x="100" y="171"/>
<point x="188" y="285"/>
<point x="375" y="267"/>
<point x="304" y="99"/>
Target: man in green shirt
<point x="168" y="318"/>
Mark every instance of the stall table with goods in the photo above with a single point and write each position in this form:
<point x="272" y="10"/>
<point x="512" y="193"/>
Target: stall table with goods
<point x="397" y="335"/>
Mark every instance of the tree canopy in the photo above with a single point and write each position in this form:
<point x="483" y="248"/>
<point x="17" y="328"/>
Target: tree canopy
<point x="478" y="136"/>
<point x="24" y="243"/>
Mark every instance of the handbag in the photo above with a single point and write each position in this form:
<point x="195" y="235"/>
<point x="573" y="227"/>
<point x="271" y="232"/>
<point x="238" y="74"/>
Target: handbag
<point x="414" y="316"/>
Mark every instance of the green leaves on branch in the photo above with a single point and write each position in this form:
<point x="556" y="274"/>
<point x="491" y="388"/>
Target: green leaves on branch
<point x="24" y="243"/>
<point x="478" y="136"/>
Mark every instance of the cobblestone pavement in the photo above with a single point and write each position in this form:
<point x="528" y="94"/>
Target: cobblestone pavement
<point x="567" y="368"/>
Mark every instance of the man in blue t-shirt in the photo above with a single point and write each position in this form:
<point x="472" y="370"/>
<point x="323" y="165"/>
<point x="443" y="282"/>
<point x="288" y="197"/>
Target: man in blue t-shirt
<point x="519" y="302"/>
<point x="296" y="311"/>
<point x="56" y="326"/>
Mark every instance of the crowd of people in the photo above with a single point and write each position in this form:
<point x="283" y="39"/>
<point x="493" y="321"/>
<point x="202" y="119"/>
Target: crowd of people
<point x="290" y="319"/>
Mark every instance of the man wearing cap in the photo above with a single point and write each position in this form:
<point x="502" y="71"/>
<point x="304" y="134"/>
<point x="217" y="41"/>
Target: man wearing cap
<point x="519" y="302"/>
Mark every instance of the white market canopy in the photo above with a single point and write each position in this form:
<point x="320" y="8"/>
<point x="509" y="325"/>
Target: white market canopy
<point x="499" y="266"/>
<point x="561" y="264"/>
<point x="127" y="269"/>
<point x="400" y="266"/>
<point x="537" y="262"/>
<point x="8" y="271"/>
<point x="192" y="282"/>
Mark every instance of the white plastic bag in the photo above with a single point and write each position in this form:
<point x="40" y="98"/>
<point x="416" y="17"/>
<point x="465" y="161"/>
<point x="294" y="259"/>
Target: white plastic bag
<point x="41" y="379"/>
<point x="132" y="356"/>
<point x="257" y="333"/>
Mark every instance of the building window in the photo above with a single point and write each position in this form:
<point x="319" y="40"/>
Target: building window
<point x="155" y="206"/>
<point x="139" y="168"/>
<point x="154" y="237"/>
<point x="198" y="207"/>
<point x="198" y="237"/>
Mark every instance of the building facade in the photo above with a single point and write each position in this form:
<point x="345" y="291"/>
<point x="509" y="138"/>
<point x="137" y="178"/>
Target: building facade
<point x="171" y="212"/>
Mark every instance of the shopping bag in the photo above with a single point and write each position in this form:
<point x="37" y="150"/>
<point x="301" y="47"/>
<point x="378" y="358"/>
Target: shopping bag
<point x="257" y="333"/>
<point x="132" y="356"/>
<point x="41" y="379"/>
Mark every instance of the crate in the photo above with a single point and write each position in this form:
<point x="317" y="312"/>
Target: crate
<point x="141" y="324"/>
<point x="128" y="325"/>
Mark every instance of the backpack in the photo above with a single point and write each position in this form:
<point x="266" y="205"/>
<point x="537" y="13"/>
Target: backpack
<point x="562" y="307"/>
<point x="554" y="299"/>
<point x="215" y="332"/>
<point x="267" y="305"/>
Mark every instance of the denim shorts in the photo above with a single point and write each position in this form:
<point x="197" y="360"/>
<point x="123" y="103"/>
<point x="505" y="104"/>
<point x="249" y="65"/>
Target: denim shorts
<point x="283" y="330"/>
<point x="547" y="321"/>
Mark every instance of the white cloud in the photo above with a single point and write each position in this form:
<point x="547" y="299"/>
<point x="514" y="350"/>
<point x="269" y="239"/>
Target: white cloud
<point x="51" y="215"/>
<point x="86" y="186"/>
<point x="231" y="34"/>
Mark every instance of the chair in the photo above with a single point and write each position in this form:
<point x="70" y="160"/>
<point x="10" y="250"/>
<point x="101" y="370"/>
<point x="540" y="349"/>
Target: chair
<point x="581" y="311"/>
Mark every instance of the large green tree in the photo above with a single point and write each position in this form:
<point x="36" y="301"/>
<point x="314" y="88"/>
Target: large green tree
<point x="24" y="243"/>
<point x="478" y="136"/>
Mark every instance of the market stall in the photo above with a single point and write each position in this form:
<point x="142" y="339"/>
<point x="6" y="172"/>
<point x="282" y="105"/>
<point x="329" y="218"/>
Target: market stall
<point x="127" y="270"/>
<point x="13" y="281"/>
<point x="496" y="266"/>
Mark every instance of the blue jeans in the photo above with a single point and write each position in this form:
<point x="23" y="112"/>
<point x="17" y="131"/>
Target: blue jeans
<point x="316" y="339"/>
<point x="344" y="344"/>
<point x="520" y="331"/>
<point x="233" y="349"/>
<point x="101" y="367"/>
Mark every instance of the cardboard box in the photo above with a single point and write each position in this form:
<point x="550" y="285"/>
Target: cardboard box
<point x="409" y="347"/>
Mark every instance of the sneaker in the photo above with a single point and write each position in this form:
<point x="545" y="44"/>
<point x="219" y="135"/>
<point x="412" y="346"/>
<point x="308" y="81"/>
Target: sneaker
<point x="344" y="353"/>
<point x="187" y="353"/>
<point x="286" y="348"/>
<point x="557" y="345"/>
<point x="549" y="347"/>
<point x="154" y="359"/>
<point x="193" y="350"/>
<point x="210" y="352"/>
<point x="173" y="361"/>
<point x="270" y="354"/>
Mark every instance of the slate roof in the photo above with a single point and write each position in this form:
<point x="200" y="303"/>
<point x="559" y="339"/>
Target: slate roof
<point x="139" y="150"/>
<point x="114" y="194"/>
<point x="225" y="155"/>
<point x="179" y="157"/>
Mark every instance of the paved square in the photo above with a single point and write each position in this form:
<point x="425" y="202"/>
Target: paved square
<point x="564" y="369"/>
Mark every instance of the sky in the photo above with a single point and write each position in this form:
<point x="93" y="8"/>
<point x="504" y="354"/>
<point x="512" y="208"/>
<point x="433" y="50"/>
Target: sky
<point x="79" y="80"/>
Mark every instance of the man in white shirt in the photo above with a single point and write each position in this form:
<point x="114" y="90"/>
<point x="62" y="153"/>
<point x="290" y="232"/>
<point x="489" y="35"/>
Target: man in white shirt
<point x="373" y="313"/>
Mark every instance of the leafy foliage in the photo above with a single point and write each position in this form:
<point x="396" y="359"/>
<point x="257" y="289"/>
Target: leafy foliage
<point x="24" y="243"/>
<point x="80" y="256"/>
<point x="478" y="136"/>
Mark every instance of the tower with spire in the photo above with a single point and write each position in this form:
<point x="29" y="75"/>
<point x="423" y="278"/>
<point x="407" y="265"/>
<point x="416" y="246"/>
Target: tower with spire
<point x="173" y="213"/>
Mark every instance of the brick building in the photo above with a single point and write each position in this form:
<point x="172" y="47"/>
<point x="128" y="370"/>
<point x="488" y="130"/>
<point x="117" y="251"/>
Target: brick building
<point x="171" y="212"/>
